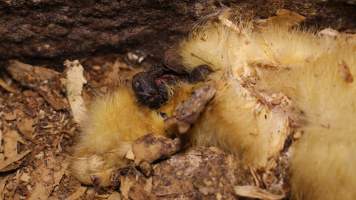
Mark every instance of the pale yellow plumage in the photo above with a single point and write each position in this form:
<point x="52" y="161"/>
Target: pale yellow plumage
<point x="112" y="124"/>
<point x="315" y="73"/>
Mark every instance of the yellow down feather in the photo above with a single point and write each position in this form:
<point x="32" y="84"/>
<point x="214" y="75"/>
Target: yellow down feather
<point x="315" y="73"/>
<point x="112" y="124"/>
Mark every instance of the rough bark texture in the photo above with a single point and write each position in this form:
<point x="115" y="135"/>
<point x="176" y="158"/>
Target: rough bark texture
<point x="65" y="28"/>
<point x="57" y="29"/>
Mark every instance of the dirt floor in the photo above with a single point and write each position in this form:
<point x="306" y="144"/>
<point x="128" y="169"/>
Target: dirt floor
<point x="37" y="129"/>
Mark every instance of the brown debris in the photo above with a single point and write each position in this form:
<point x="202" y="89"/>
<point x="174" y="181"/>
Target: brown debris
<point x="115" y="196"/>
<point x="54" y="98"/>
<point x="107" y="74"/>
<point x="133" y="185"/>
<point x="200" y="173"/>
<point x="283" y="17"/>
<point x="47" y="176"/>
<point x="7" y="87"/>
<point x="8" y="165"/>
<point x="30" y="75"/>
<point x="26" y="127"/>
<point x="33" y="102"/>
<point x="256" y="193"/>
<point x="3" y="181"/>
<point x="33" y="133"/>
<point x="1" y="144"/>
<point x="43" y="80"/>
<point x="25" y="177"/>
<point x="39" y="193"/>
<point x="11" y="153"/>
<point x="78" y="193"/>
<point x="10" y="116"/>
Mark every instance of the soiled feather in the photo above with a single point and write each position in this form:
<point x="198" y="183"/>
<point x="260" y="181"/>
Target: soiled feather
<point x="314" y="73"/>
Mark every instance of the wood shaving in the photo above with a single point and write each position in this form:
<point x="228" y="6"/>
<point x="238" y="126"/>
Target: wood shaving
<point x="256" y="192"/>
<point x="7" y="87"/>
<point x="74" y="86"/>
<point x="5" y="165"/>
<point x="3" y="181"/>
<point x="283" y="17"/>
<point x="115" y="196"/>
<point x="78" y="193"/>
<point x="26" y="127"/>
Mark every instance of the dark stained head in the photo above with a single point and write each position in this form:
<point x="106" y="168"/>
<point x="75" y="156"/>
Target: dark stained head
<point x="149" y="89"/>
